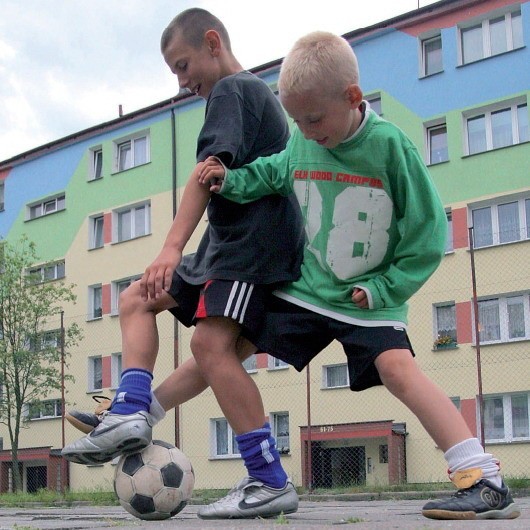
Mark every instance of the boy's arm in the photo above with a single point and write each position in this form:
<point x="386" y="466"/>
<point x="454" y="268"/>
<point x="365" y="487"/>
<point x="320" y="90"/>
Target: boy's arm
<point x="264" y="176"/>
<point x="423" y="230"/>
<point x="157" y="276"/>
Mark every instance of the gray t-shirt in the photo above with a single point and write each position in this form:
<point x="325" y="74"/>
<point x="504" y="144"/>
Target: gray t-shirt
<point x="259" y="242"/>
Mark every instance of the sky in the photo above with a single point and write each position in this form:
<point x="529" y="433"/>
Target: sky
<point x="67" y="65"/>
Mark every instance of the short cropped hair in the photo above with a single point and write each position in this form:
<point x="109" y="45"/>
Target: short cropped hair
<point x="193" y="24"/>
<point x="319" y="60"/>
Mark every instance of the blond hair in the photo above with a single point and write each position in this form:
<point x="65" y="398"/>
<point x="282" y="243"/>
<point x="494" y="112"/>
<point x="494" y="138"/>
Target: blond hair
<point x="319" y="60"/>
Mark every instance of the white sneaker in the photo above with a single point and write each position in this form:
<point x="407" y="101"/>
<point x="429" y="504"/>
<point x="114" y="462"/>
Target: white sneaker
<point x="116" y="434"/>
<point x="250" y="498"/>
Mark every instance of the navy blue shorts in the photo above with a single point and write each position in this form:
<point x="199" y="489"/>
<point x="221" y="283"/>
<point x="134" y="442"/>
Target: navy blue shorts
<point x="241" y="301"/>
<point x="296" y="335"/>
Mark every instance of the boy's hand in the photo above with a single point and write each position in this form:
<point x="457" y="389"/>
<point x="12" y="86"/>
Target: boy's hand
<point x="157" y="277"/>
<point x="212" y="172"/>
<point x="359" y="298"/>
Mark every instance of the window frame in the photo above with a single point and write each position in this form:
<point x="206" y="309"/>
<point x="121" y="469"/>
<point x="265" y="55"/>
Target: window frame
<point x="95" y="170"/>
<point x="93" y="222"/>
<point x="132" y="209"/>
<point x="484" y="24"/>
<point x="92" y="373"/>
<point x="283" y="441"/>
<point x="486" y="114"/>
<point x="325" y="376"/>
<point x="250" y="364"/>
<point x="58" y="267"/>
<point x="273" y="363"/>
<point x="429" y="129"/>
<point x="232" y="449"/>
<point x="492" y="238"/>
<point x="95" y="313"/>
<point x="131" y="140"/>
<point x="57" y="406"/>
<point x="424" y="41"/>
<point x="502" y="304"/>
<point x="507" y="417"/>
<point x="439" y="332"/>
<point x="47" y="206"/>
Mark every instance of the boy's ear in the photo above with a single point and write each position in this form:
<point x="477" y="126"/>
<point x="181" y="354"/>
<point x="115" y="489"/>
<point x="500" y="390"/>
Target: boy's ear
<point x="354" y="95"/>
<point x="213" y="41"/>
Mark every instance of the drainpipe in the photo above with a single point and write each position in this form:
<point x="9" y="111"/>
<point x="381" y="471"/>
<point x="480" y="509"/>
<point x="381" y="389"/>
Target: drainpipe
<point x="174" y="212"/>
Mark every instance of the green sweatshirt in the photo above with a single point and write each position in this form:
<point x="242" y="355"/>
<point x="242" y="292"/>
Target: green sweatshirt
<point x="373" y="220"/>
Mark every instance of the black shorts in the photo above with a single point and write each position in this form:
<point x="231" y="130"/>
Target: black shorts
<point x="296" y="335"/>
<point x="241" y="301"/>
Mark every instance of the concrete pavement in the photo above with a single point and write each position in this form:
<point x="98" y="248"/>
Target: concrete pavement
<point x="312" y="515"/>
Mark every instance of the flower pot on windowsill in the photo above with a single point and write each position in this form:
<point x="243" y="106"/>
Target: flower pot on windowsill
<point x="444" y="342"/>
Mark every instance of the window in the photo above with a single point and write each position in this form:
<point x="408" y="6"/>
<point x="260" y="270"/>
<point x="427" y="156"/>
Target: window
<point x="132" y="152"/>
<point x="491" y="36"/>
<point x="46" y="207"/>
<point x="375" y="103"/>
<point x="455" y="400"/>
<point x="275" y="364"/>
<point x="250" y="364"/>
<point x="437" y="144"/>
<point x="95" y="235"/>
<point x="504" y="319"/>
<point x="445" y="325"/>
<point x="500" y="223"/>
<point x="280" y="430"/>
<point x="95" y="373"/>
<point x="115" y="369"/>
<point x="383" y="454"/>
<point x="431" y="55"/>
<point x="117" y="288"/>
<point x="2" y="192"/>
<point x="96" y="164"/>
<point x="449" y="244"/>
<point x="47" y="340"/>
<point x="223" y="439"/>
<point x="335" y="376"/>
<point x="95" y="309"/>
<point x="506" y="417"/>
<point x="50" y="408"/>
<point x="48" y="272"/>
<point x="131" y="222"/>
<point x="498" y="126"/>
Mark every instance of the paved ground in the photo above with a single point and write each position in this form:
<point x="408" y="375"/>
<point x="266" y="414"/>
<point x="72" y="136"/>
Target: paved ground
<point x="330" y="514"/>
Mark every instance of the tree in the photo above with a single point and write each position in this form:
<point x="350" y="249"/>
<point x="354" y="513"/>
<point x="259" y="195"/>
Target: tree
<point x="30" y="352"/>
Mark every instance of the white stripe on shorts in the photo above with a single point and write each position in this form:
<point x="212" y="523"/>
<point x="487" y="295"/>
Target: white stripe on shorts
<point x="236" y="307"/>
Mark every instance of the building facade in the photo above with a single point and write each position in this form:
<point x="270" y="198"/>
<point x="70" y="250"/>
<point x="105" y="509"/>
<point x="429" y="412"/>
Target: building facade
<point x="455" y="77"/>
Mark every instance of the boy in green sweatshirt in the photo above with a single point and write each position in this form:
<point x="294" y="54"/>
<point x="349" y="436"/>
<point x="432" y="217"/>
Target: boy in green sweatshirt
<point x="376" y="232"/>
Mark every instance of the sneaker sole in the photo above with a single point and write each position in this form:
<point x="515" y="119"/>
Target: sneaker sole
<point x="510" y="512"/>
<point x="131" y="445"/>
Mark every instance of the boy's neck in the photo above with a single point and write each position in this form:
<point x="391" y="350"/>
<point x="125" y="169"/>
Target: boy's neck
<point x="230" y="65"/>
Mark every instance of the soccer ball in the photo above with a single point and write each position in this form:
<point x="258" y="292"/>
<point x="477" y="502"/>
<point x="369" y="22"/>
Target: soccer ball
<point x="155" y="483"/>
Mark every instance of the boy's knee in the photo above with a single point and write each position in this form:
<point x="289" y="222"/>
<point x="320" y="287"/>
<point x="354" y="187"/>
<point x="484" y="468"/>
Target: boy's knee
<point x="129" y="298"/>
<point x="395" y="368"/>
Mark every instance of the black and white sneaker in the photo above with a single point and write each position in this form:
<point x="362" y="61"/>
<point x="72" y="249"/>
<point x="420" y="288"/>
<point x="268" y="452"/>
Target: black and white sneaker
<point x="483" y="500"/>
<point x="249" y="499"/>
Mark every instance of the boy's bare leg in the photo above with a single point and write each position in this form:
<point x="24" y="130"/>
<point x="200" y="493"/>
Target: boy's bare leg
<point x="405" y="380"/>
<point x="214" y="345"/>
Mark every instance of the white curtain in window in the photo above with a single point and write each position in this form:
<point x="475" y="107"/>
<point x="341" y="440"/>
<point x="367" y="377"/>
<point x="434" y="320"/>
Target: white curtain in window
<point x="517" y="29"/>
<point x="516" y="324"/>
<point x="472" y="49"/>
<point x="522" y="123"/>
<point x="337" y="375"/>
<point x="140" y="151"/>
<point x="494" y="418"/>
<point x="501" y="128"/>
<point x="498" y="40"/>
<point x="489" y="320"/>
<point x="446" y="321"/>
<point x="482" y="229"/>
<point x="520" y="426"/>
<point x="509" y="229"/>
<point x="476" y="134"/>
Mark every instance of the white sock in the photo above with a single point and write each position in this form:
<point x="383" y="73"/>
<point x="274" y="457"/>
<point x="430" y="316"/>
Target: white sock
<point x="156" y="410"/>
<point x="469" y="454"/>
